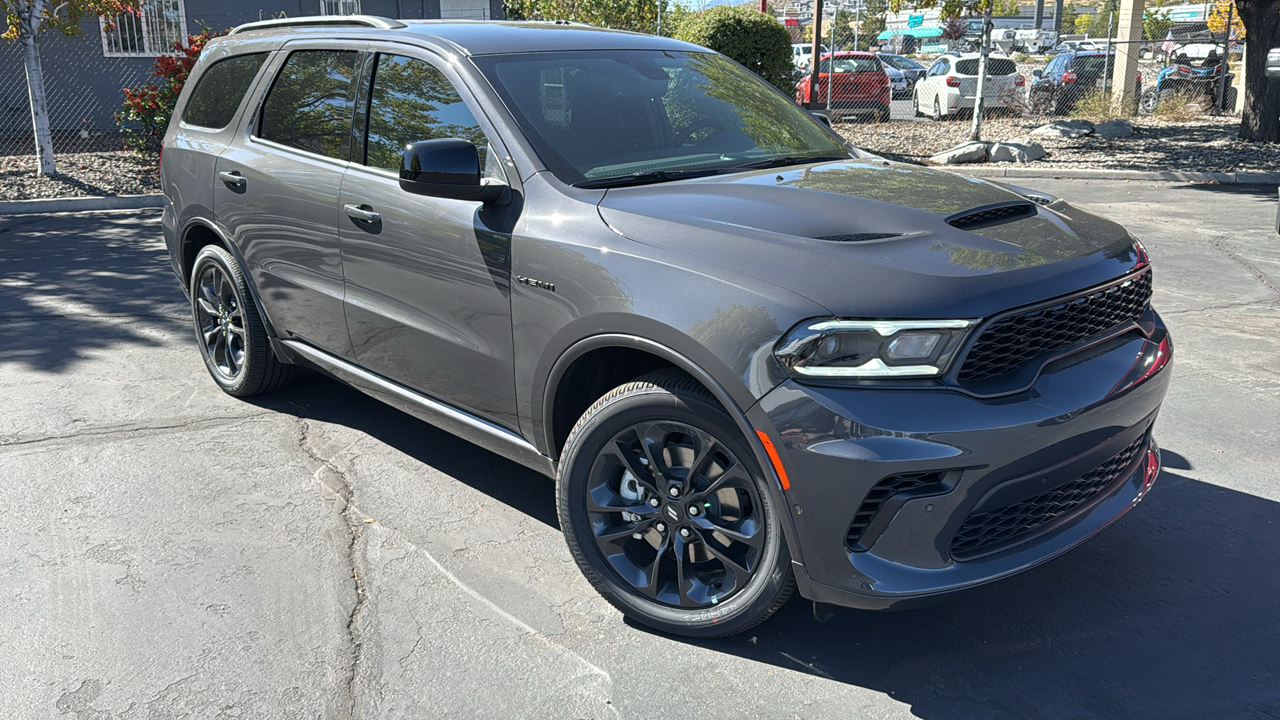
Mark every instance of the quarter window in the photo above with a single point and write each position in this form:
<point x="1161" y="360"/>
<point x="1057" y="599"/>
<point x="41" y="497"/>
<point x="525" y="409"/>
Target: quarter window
<point x="219" y="90"/>
<point x="412" y="100"/>
<point x="309" y="106"/>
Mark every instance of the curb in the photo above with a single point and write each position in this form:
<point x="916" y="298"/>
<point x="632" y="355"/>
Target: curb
<point x="1230" y="178"/>
<point x="81" y="204"/>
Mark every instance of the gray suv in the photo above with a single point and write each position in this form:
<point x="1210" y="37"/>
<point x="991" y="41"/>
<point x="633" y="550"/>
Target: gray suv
<point x="754" y="359"/>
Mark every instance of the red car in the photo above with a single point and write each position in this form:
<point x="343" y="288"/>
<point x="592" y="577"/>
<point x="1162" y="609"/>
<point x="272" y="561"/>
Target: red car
<point x="849" y="83"/>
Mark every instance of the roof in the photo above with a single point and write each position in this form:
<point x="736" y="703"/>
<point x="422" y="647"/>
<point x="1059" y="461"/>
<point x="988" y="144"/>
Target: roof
<point x="475" y="37"/>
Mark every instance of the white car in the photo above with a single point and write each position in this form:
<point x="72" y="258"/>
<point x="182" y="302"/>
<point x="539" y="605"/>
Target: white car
<point x="951" y="85"/>
<point x="897" y="81"/>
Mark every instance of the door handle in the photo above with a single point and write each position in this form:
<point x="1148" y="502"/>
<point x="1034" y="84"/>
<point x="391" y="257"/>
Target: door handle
<point x="233" y="178"/>
<point x="359" y="213"/>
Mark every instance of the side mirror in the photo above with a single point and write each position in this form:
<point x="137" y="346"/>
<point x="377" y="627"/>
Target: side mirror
<point x="821" y="118"/>
<point x="1273" y="63"/>
<point x="1037" y="73"/>
<point x="446" y="168"/>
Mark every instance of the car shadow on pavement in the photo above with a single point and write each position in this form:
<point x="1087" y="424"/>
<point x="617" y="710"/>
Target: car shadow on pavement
<point x="1172" y="612"/>
<point x="71" y="285"/>
<point x="314" y="396"/>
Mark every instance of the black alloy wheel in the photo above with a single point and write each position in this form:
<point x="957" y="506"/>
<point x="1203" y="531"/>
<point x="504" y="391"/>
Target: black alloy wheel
<point x="229" y="331"/>
<point x="668" y="514"/>
<point x="675" y="515"/>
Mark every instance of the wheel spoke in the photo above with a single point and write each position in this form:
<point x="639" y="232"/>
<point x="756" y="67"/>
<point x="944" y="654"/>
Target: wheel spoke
<point x="618" y="532"/>
<point x="615" y="503"/>
<point x="733" y="472"/>
<point x="680" y="547"/>
<point x="750" y="535"/>
<point x="643" y="475"/>
<point x="740" y="572"/>
<point x="707" y="447"/>
<point x="206" y="306"/>
<point x="653" y="576"/>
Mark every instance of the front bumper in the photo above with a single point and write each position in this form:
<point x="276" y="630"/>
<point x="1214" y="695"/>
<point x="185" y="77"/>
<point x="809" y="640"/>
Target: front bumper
<point x="967" y="460"/>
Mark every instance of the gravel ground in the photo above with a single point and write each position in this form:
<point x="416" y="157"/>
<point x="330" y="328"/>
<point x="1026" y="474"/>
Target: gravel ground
<point x="1208" y="144"/>
<point x="79" y="174"/>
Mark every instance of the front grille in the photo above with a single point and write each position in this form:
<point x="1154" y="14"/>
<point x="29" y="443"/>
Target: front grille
<point x="983" y="532"/>
<point x="991" y="215"/>
<point x="881" y="493"/>
<point x="1009" y="342"/>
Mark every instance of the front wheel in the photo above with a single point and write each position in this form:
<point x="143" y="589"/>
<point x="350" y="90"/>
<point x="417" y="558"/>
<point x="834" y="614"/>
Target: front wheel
<point x="667" y="513"/>
<point x="1149" y="101"/>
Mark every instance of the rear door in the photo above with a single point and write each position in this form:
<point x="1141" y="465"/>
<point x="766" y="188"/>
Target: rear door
<point x="427" y="283"/>
<point x="276" y="191"/>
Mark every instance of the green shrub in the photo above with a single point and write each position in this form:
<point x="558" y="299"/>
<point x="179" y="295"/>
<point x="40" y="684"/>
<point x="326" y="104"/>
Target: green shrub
<point x="755" y="39"/>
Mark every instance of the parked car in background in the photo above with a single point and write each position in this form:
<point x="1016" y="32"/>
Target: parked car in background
<point x="951" y="84"/>
<point x="910" y="69"/>
<point x="1073" y="45"/>
<point x="850" y="83"/>
<point x="802" y="54"/>
<point x="1069" y="77"/>
<point x="898" y="85"/>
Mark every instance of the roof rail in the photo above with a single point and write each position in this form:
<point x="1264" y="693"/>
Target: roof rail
<point x="371" y="21"/>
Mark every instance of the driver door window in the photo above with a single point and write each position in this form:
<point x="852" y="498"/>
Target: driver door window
<point x="411" y="100"/>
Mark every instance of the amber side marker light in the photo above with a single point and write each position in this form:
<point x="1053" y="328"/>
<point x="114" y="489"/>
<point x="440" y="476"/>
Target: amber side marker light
<point x="772" y="452"/>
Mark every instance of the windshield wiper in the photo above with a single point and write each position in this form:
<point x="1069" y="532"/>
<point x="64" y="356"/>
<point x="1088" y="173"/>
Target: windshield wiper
<point x="646" y="178"/>
<point x="784" y="160"/>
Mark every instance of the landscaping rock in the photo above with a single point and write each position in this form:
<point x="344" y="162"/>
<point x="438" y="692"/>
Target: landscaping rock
<point x="1114" y="129"/>
<point x="970" y="152"/>
<point x="1064" y="128"/>
<point x="1014" y="151"/>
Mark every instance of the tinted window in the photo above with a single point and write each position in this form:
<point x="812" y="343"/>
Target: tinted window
<point x="1091" y="65"/>
<point x="310" y="103"/>
<point x="411" y="100"/>
<point x="220" y="89"/>
<point x="899" y="62"/>
<point x="938" y="68"/>
<point x="995" y="66"/>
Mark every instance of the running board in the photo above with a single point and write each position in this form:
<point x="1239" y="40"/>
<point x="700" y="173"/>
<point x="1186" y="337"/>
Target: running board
<point x="446" y="417"/>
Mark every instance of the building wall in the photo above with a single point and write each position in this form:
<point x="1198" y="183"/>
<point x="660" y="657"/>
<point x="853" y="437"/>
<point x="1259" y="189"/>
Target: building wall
<point x="84" y="87"/>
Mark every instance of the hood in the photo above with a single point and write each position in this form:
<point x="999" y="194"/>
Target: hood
<point x="870" y="238"/>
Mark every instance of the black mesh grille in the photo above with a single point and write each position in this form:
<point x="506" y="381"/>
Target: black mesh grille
<point x="880" y="494"/>
<point x="988" y="216"/>
<point x="857" y="237"/>
<point x="1012" y="341"/>
<point x="983" y="532"/>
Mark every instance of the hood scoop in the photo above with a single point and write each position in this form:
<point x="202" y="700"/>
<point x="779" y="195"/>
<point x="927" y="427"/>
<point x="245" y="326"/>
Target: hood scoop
<point x="857" y="237"/>
<point x="989" y="215"/>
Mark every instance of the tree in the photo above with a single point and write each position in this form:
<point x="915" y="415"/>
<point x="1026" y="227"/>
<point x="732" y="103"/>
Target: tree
<point x="1105" y="22"/>
<point x="1218" y="13"/>
<point x="873" y="22"/>
<point x="1156" y="22"/>
<point x="633" y="15"/>
<point x="754" y="39"/>
<point x="25" y="20"/>
<point x="955" y="29"/>
<point x="1260" y="122"/>
<point x="1006" y="8"/>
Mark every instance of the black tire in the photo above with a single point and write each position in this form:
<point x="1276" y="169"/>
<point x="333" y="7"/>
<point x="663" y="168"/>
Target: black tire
<point x="603" y="450"/>
<point x="883" y="115"/>
<point x="915" y="103"/>
<point x="229" y="331"/>
<point x="1149" y="101"/>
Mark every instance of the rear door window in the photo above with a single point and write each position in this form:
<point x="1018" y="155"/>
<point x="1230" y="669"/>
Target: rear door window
<point x="995" y="66"/>
<point x="218" y="92"/>
<point x="310" y="103"/>
<point x="413" y="100"/>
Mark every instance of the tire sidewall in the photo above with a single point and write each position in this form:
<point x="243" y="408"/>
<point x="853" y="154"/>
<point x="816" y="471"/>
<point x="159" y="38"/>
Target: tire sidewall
<point x="655" y="404"/>
<point x="214" y="255"/>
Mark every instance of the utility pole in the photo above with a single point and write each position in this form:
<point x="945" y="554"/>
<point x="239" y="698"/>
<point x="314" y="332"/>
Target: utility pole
<point x="982" y="73"/>
<point x="764" y="6"/>
<point x="815" y="65"/>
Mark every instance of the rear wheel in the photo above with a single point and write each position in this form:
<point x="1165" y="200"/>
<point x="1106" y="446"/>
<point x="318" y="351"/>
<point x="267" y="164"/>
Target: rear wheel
<point x="937" y="108"/>
<point x="1149" y="101"/>
<point x="229" y="331"/>
<point x="883" y="115"/>
<point x="667" y="513"/>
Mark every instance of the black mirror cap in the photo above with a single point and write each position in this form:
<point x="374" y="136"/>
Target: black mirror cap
<point x="446" y="168"/>
<point x="822" y="118"/>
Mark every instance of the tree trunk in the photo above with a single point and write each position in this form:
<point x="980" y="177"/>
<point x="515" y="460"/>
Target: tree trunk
<point x="1261" y="119"/>
<point x="35" y="87"/>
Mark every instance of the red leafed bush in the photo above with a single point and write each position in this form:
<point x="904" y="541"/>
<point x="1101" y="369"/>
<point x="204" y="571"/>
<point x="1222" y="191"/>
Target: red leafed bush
<point x="147" y="108"/>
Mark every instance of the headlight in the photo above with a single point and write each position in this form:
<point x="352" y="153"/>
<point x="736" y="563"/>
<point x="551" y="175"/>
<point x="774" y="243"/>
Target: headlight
<point x="855" y="349"/>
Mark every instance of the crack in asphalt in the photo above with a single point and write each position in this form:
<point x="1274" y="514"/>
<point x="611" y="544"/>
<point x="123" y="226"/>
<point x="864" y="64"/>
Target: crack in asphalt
<point x="109" y="431"/>
<point x="1219" y="244"/>
<point x="325" y="473"/>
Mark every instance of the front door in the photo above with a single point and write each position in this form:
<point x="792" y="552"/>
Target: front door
<point x="427" y="279"/>
<point x="276" y="192"/>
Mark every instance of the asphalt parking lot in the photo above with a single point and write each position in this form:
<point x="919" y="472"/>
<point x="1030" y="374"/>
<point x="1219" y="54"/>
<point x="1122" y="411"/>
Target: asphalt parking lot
<point x="169" y="551"/>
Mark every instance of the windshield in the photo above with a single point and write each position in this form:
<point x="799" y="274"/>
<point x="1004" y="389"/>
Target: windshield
<point x="995" y="66"/>
<point x="852" y="65"/>
<point x="601" y="114"/>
